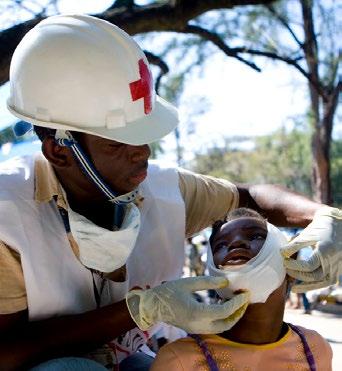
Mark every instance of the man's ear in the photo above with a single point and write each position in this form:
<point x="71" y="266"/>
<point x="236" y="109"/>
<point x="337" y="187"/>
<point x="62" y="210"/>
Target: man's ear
<point x="57" y="155"/>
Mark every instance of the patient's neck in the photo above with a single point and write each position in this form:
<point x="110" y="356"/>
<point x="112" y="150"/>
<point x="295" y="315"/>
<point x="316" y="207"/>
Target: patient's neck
<point x="262" y="323"/>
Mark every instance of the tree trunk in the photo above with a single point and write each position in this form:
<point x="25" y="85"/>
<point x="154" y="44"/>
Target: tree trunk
<point x="323" y="106"/>
<point x="320" y="146"/>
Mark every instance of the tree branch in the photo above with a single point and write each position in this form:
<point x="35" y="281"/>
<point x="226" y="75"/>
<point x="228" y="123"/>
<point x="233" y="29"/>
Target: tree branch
<point x="292" y="62"/>
<point x="330" y="108"/>
<point x="216" y="39"/>
<point x="334" y="66"/>
<point x="129" y="4"/>
<point x="170" y="16"/>
<point x="234" y="52"/>
<point x="25" y="8"/>
<point x="164" y="69"/>
<point x="283" y="21"/>
<point x="311" y="55"/>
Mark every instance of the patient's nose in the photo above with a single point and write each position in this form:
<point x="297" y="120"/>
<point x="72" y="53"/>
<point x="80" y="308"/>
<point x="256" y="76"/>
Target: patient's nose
<point x="241" y="243"/>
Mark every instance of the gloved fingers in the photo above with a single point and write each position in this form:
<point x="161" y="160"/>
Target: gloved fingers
<point x="303" y="265"/>
<point x="203" y="283"/>
<point x="303" y="287"/>
<point x="297" y="244"/>
<point x="233" y="305"/>
<point x="315" y="276"/>
<point x="226" y="324"/>
<point x="330" y="212"/>
<point x="237" y="314"/>
<point x="133" y="298"/>
<point x="224" y="310"/>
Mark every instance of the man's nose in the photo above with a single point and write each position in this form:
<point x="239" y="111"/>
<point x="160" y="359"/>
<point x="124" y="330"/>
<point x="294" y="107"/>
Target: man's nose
<point x="140" y="153"/>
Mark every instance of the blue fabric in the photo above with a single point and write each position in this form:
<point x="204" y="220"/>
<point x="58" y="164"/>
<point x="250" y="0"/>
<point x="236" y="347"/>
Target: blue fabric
<point x="306" y="302"/>
<point x="69" y="364"/>
<point x="137" y="362"/>
<point x="21" y="128"/>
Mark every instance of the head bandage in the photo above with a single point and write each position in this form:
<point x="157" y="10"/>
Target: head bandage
<point x="261" y="275"/>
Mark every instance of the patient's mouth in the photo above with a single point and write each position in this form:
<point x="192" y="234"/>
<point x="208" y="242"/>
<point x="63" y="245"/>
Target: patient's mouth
<point x="238" y="261"/>
<point x="237" y="256"/>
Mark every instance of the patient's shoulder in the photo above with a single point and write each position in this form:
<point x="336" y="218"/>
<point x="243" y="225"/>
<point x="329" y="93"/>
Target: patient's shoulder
<point x="182" y="354"/>
<point x="319" y="347"/>
<point x="313" y="336"/>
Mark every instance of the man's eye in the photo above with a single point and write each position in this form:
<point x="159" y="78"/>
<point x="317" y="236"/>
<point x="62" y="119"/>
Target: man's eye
<point x="116" y="145"/>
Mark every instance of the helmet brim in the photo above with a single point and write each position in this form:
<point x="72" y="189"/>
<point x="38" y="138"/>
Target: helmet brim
<point x="150" y="128"/>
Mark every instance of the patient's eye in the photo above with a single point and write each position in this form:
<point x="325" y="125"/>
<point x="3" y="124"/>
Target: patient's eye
<point x="258" y="236"/>
<point x="220" y="246"/>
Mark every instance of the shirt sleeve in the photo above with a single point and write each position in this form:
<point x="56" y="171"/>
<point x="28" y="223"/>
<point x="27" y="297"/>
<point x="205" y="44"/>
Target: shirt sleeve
<point x="206" y="198"/>
<point x="12" y="286"/>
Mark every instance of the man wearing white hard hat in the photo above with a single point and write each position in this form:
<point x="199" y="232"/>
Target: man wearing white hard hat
<point x="89" y="231"/>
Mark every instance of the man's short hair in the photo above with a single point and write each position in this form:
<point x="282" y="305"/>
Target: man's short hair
<point x="43" y="133"/>
<point x="243" y="212"/>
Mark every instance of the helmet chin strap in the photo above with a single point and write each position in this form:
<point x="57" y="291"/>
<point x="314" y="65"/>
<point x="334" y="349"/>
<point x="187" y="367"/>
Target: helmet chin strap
<point x="65" y="138"/>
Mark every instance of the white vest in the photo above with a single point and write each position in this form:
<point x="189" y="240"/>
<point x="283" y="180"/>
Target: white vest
<point x="56" y="282"/>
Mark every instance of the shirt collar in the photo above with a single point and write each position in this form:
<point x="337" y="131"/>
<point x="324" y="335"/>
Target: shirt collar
<point x="47" y="186"/>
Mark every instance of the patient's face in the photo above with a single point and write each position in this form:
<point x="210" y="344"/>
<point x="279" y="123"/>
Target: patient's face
<point x="238" y="241"/>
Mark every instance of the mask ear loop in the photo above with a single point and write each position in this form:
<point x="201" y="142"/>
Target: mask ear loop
<point x="65" y="139"/>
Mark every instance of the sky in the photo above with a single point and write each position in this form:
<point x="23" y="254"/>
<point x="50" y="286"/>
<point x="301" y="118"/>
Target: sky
<point x="239" y="100"/>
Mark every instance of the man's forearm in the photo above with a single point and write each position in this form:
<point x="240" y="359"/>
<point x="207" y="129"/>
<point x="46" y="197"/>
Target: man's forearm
<point x="281" y="206"/>
<point x="34" y="342"/>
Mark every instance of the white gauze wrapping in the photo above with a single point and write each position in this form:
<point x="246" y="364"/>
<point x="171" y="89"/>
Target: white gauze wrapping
<point x="261" y="275"/>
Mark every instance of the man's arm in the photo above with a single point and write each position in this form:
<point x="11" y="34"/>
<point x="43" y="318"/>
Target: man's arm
<point x="281" y="206"/>
<point x="323" y="231"/>
<point x="24" y="344"/>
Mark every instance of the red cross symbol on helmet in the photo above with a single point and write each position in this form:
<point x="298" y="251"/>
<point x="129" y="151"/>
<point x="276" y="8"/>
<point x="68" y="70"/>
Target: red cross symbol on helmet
<point x="142" y="88"/>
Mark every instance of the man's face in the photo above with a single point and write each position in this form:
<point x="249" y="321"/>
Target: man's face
<point x="122" y="166"/>
<point x="238" y="241"/>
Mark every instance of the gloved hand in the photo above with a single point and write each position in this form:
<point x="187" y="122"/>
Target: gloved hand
<point x="173" y="303"/>
<point x="324" y="266"/>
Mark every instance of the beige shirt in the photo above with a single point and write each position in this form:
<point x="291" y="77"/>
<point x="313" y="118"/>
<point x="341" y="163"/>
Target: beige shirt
<point x="206" y="200"/>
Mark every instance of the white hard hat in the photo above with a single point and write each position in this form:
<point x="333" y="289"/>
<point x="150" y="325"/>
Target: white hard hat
<point x="81" y="73"/>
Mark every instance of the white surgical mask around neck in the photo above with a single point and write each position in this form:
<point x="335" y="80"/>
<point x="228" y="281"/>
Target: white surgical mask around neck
<point x="102" y="249"/>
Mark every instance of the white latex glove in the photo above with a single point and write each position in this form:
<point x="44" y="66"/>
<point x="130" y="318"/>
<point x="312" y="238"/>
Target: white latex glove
<point x="325" y="265"/>
<point x="173" y="303"/>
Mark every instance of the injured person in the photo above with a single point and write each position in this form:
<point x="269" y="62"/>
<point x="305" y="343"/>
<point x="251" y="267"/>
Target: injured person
<point x="245" y="248"/>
